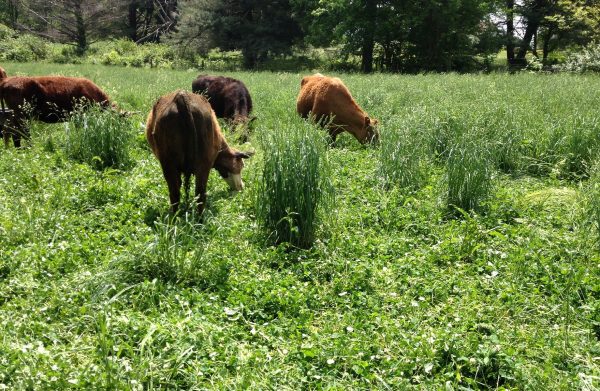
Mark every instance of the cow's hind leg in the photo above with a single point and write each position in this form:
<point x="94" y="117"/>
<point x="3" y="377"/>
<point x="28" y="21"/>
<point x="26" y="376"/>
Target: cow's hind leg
<point x="173" y="178"/>
<point x="201" y="181"/>
<point x="186" y="186"/>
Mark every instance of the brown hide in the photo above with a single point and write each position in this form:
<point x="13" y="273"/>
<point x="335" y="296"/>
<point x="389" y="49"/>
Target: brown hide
<point x="229" y="98"/>
<point x="49" y="99"/>
<point x="326" y="97"/>
<point x="184" y="135"/>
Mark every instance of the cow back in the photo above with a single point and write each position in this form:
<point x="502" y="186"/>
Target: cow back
<point x="326" y="97"/>
<point x="183" y="132"/>
<point x="50" y="97"/>
<point x="228" y="97"/>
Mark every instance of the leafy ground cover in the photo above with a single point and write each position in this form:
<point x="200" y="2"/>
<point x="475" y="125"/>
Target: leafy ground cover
<point x="101" y="289"/>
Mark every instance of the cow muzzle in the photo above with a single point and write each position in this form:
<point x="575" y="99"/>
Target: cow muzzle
<point x="235" y="182"/>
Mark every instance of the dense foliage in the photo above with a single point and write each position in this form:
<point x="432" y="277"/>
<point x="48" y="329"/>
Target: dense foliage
<point x="101" y="289"/>
<point x="386" y="35"/>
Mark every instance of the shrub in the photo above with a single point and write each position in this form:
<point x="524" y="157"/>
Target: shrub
<point x="588" y="60"/>
<point x="468" y="173"/>
<point x="101" y="138"/>
<point x="295" y="186"/>
<point x="23" y="48"/>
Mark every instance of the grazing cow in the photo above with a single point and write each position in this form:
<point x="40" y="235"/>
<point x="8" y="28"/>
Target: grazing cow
<point x="228" y="97"/>
<point x="47" y="98"/>
<point x="328" y="100"/>
<point x="184" y="135"/>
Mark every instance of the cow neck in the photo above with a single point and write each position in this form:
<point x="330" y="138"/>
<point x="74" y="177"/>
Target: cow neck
<point x="223" y="146"/>
<point x="358" y="122"/>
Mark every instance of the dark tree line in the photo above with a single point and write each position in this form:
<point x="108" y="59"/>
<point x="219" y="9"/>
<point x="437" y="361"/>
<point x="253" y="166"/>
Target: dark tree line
<point x="387" y="35"/>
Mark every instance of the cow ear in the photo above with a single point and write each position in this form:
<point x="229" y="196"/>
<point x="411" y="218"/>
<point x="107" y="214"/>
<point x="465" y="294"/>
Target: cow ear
<point x="367" y="121"/>
<point x="244" y="155"/>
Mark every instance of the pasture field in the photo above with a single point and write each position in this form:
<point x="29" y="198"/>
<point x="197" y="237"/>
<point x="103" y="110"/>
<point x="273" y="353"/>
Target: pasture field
<point x="101" y="289"/>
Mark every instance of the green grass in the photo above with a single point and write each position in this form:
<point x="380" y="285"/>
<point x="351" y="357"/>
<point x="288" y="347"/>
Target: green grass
<point x="294" y="191"/>
<point x="101" y="289"/>
<point x="101" y="138"/>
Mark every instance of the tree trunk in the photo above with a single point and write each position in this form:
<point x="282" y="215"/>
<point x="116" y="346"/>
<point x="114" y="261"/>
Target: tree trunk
<point x="81" y="30"/>
<point x="533" y="22"/>
<point x="526" y="44"/>
<point x="367" y="55"/>
<point x="546" y="47"/>
<point x="250" y="58"/>
<point x="369" y="36"/>
<point x="132" y="21"/>
<point x="13" y="13"/>
<point x="510" y="32"/>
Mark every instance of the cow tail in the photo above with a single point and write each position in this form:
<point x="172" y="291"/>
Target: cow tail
<point x="190" y="132"/>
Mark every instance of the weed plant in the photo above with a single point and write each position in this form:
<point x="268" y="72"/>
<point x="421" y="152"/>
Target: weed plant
<point x="294" y="190"/>
<point x="101" y="138"/>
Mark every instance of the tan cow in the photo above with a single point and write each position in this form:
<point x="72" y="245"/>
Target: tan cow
<point x="328" y="100"/>
<point x="184" y="135"/>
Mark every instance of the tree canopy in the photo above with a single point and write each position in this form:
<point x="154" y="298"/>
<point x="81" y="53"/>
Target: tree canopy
<point x="386" y="35"/>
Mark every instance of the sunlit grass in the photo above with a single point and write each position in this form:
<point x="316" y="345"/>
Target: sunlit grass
<point x="294" y="191"/>
<point x="101" y="289"/>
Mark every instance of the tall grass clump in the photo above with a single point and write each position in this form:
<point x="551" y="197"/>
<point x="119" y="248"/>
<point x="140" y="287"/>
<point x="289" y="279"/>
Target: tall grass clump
<point x="101" y="138"/>
<point x="177" y="253"/>
<point x="468" y="173"/>
<point x="403" y="158"/>
<point x="592" y="199"/>
<point x="295" y="185"/>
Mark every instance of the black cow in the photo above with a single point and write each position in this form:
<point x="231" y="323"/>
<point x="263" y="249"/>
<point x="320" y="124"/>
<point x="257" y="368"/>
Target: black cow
<point x="228" y="97"/>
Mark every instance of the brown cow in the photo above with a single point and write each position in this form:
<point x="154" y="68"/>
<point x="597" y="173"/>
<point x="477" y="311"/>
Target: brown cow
<point x="184" y="135"/>
<point x="328" y="100"/>
<point x="49" y="99"/>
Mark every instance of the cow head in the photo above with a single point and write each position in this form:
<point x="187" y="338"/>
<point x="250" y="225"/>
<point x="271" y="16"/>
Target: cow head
<point x="371" y="132"/>
<point x="229" y="164"/>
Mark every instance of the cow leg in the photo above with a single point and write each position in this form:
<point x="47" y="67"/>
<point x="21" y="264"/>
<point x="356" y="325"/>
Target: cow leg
<point x="173" y="178"/>
<point x="201" y="181"/>
<point x="19" y="131"/>
<point x="333" y="133"/>
<point x="186" y="186"/>
<point x="16" y="136"/>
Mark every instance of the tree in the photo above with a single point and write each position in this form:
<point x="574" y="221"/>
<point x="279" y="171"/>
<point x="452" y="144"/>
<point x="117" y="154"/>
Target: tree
<point x="149" y="20"/>
<point x="553" y="23"/>
<point x="259" y="28"/>
<point x="74" y="21"/>
<point x="440" y="35"/>
<point x="9" y="13"/>
<point x="194" y="33"/>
